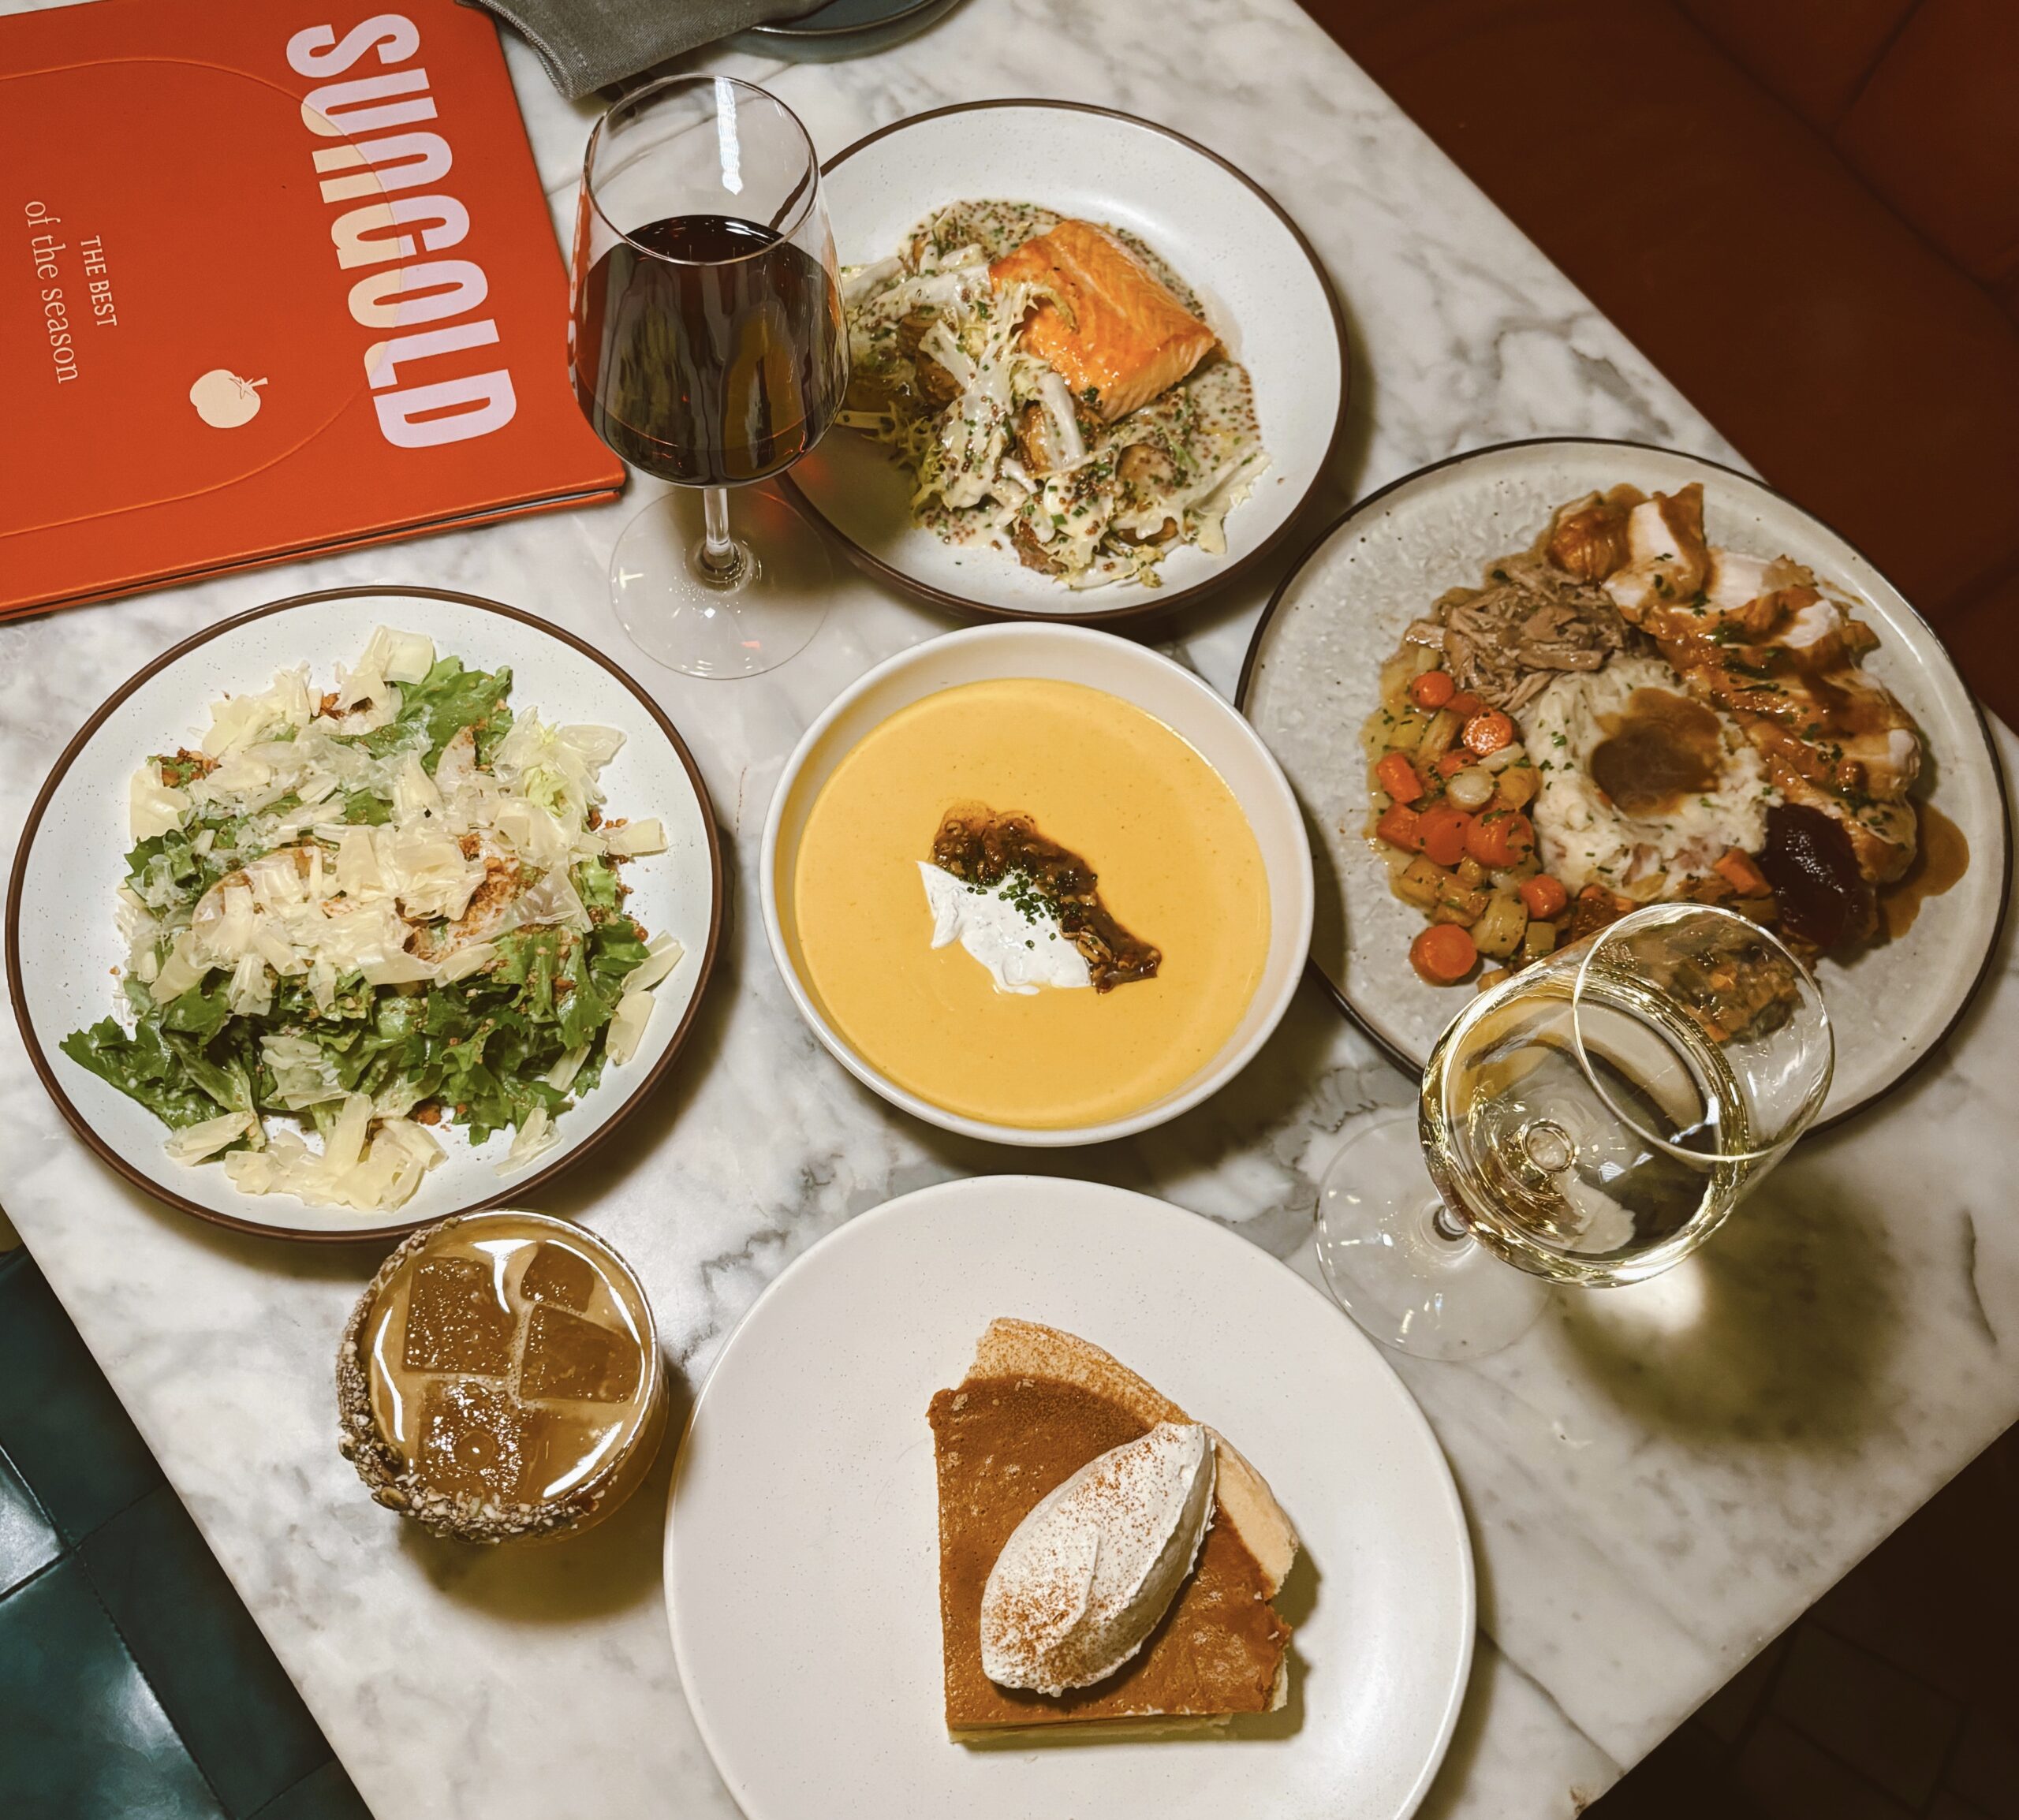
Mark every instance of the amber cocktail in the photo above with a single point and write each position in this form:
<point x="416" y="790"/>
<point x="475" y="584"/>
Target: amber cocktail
<point x="500" y="1379"/>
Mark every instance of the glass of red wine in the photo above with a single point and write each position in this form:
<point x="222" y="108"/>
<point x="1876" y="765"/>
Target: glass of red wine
<point x="707" y="347"/>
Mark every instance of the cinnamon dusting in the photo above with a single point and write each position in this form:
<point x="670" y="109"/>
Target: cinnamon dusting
<point x="1002" y="1444"/>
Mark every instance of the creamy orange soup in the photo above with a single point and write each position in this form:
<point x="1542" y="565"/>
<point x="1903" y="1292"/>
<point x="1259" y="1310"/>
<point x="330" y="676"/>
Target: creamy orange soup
<point x="1178" y="868"/>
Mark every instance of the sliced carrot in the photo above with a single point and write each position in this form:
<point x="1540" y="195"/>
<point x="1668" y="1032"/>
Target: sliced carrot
<point x="1489" y="732"/>
<point x="1397" y="827"/>
<point x="1501" y="838"/>
<point x="1443" y="954"/>
<point x="1738" y="871"/>
<point x="1397" y="776"/>
<point x="1452" y="763"/>
<point x="1464" y="704"/>
<point x="1432" y="689"/>
<point x="1543" y="895"/>
<point x="1441" y="831"/>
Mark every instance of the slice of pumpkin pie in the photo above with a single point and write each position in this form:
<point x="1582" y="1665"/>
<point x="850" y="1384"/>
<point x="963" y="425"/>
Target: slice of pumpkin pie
<point x="1103" y="1559"/>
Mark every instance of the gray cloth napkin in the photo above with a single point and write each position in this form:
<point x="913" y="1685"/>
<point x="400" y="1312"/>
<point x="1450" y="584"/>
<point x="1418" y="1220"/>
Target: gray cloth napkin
<point x="588" y="44"/>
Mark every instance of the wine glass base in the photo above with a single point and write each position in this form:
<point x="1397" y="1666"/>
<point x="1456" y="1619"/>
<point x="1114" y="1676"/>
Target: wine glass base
<point x="679" y="616"/>
<point x="1384" y="1244"/>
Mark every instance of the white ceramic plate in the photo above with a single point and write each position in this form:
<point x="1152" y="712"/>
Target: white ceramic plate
<point x="802" y="1539"/>
<point x="63" y="945"/>
<point x="1312" y="678"/>
<point x="1263" y="292"/>
<point x="1138" y="675"/>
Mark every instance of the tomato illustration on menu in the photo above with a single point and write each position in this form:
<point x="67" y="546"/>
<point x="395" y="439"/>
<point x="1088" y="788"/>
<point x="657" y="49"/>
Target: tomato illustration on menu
<point x="282" y="280"/>
<point x="224" y="401"/>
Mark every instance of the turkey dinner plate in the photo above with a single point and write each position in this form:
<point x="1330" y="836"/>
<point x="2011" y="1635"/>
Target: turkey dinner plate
<point x="1312" y="679"/>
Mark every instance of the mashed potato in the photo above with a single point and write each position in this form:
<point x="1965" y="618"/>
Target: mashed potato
<point x="1586" y="838"/>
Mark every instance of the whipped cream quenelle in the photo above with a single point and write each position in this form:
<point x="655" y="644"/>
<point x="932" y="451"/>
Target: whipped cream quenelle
<point x="1022" y="950"/>
<point x="1085" y="1578"/>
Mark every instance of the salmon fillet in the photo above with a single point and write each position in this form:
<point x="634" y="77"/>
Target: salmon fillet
<point x="1110" y="326"/>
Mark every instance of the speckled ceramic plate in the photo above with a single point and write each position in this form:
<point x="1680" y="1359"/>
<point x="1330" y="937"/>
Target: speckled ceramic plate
<point x="1263" y="292"/>
<point x="840" y="28"/>
<point x="802" y="1536"/>
<point x="64" y="949"/>
<point x="1312" y="678"/>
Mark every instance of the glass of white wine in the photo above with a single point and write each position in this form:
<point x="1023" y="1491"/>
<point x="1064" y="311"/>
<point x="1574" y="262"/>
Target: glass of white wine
<point x="1591" y="1120"/>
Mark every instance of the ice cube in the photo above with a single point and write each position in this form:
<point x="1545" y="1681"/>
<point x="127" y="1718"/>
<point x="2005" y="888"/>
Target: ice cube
<point x="455" y="1321"/>
<point x="472" y="1442"/>
<point x="562" y="1452"/>
<point x="567" y="1356"/>
<point x="559" y="1275"/>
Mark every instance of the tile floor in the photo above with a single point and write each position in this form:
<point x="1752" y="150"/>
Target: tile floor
<point x="133" y="1683"/>
<point x="1895" y="1697"/>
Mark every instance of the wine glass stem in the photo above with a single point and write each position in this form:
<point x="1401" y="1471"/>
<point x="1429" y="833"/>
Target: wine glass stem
<point x="721" y="561"/>
<point x="1447" y="1225"/>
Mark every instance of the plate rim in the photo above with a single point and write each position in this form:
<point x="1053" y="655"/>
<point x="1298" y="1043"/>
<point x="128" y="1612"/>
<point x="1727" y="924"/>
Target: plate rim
<point x="1162" y="603"/>
<point x="1453" y="1499"/>
<point x="795" y="30"/>
<point x="1309" y="553"/>
<point x="507" y="1192"/>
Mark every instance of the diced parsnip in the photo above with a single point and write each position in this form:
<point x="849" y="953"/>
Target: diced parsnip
<point x="1470" y="873"/>
<point x="1491" y="976"/>
<point x="1397" y="674"/>
<point x="1509" y="877"/>
<point x="1403" y="669"/>
<point x="1421" y="882"/>
<point x="1538" y="939"/>
<point x="1458" y="903"/>
<point x="1394" y="686"/>
<point x="1406" y="735"/>
<point x="1518" y="784"/>
<point x="1445" y="726"/>
<point x="1499" y="929"/>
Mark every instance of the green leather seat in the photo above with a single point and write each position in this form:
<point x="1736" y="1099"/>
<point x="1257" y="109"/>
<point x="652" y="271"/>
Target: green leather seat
<point x="133" y="1683"/>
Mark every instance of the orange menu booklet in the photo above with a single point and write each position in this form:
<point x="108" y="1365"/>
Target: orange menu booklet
<point x="276" y="277"/>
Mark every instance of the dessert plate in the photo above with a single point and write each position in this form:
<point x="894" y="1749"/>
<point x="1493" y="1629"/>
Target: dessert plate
<point x="1263" y="291"/>
<point x="802" y="1541"/>
<point x="1312" y="677"/>
<point x="64" y="949"/>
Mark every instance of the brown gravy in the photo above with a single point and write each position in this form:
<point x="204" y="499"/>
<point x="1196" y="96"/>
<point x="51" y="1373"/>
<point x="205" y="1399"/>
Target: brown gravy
<point x="1941" y="858"/>
<point x="1664" y="747"/>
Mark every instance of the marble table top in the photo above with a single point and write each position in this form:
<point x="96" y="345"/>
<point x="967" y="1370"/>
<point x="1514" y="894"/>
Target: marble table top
<point x="1657" y="1479"/>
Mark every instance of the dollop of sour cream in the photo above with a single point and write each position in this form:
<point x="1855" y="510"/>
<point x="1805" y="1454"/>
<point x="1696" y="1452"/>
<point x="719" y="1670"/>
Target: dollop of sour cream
<point x="1022" y="951"/>
<point x="1086" y="1576"/>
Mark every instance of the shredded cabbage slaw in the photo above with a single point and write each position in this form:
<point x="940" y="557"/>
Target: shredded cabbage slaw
<point x="1089" y="524"/>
